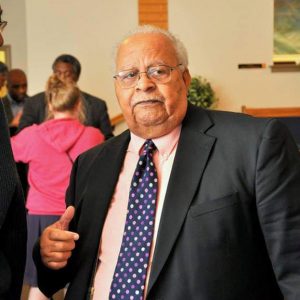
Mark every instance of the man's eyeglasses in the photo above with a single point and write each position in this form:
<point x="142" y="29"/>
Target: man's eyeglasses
<point x="158" y="74"/>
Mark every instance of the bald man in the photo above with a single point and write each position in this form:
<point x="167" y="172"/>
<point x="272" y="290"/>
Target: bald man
<point x="16" y="95"/>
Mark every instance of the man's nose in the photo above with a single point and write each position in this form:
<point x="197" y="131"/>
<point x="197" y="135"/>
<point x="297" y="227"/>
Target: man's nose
<point x="145" y="83"/>
<point x="23" y="89"/>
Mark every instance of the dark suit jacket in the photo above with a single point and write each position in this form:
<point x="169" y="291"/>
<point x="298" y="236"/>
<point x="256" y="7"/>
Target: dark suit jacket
<point x="13" y="233"/>
<point x="96" y="113"/>
<point x="7" y="108"/>
<point x="230" y="223"/>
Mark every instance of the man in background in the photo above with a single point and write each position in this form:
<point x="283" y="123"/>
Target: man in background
<point x="67" y="67"/>
<point x="14" y="101"/>
<point x="13" y="232"/>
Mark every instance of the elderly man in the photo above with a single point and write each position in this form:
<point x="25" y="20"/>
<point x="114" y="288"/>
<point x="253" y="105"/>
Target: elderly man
<point x="68" y="67"/>
<point x="12" y="215"/>
<point x="212" y="211"/>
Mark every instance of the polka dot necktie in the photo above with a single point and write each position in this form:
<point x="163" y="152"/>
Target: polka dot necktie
<point x="130" y="273"/>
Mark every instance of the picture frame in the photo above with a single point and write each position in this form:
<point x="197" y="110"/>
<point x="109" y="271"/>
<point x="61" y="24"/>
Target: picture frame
<point x="286" y="31"/>
<point x="5" y="55"/>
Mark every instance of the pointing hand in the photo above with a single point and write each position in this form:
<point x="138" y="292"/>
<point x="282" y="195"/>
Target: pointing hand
<point x="57" y="243"/>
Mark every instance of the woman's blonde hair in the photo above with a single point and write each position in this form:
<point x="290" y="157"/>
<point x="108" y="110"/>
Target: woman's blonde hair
<point x="63" y="96"/>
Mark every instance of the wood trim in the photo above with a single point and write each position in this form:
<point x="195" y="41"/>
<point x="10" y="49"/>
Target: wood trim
<point x="285" y="68"/>
<point x="154" y="12"/>
<point x="272" y="111"/>
<point x="117" y="120"/>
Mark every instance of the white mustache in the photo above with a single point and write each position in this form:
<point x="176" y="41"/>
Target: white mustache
<point x="140" y="100"/>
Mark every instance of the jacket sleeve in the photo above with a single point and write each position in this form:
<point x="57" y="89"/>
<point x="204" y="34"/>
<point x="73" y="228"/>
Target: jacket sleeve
<point x="12" y="220"/>
<point x="97" y="115"/>
<point x="31" y="112"/>
<point x="278" y="203"/>
<point x="20" y="146"/>
<point x="105" y="125"/>
<point x="13" y="236"/>
<point x="8" y="111"/>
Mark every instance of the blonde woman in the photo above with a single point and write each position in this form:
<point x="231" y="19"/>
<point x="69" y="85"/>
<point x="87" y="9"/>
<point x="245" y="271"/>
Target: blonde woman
<point x="50" y="150"/>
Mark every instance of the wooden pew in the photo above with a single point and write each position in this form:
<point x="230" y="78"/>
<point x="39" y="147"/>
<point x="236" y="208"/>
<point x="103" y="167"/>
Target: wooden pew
<point x="272" y="111"/>
<point x="290" y="116"/>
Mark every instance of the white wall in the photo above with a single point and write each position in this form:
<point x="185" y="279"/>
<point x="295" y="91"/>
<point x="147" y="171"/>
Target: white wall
<point x="221" y="34"/>
<point x="218" y="35"/>
<point x="86" y="29"/>
<point x="15" y="33"/>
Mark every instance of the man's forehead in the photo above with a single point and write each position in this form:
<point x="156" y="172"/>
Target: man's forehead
<point x="147" y="40"/>
<point x="63" y="65"/>
<point x="151" y="48"/>
<point x="18" y="77"/>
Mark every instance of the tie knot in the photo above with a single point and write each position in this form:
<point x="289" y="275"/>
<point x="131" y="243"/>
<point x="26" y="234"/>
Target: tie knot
<point x="149" y="147"/>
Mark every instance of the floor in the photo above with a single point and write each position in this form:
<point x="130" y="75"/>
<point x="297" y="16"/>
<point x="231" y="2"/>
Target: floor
<point x="24" y="296"/>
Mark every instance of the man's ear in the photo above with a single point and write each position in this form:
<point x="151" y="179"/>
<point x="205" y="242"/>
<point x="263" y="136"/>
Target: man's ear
<point x="186" y="78"/>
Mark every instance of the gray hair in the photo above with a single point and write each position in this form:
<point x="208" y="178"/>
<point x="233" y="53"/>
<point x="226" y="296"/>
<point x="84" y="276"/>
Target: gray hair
<point x="180" y="49"/>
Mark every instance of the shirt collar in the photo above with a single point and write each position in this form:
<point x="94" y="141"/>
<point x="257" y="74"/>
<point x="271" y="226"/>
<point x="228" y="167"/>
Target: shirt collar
<point x="164" y="144"/>
<point x="14" y="102"/>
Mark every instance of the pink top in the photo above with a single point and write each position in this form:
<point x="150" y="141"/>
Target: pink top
<point x="112" y="233"/>
<point x="50" y="150"/>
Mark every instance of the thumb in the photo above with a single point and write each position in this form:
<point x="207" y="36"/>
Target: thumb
<point x="65" y="219"/>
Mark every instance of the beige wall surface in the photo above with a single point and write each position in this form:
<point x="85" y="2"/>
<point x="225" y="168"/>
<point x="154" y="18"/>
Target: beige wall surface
<point x="86" y="29"/>
<point x="15" y="33"/>
<point x="219" y="35"/>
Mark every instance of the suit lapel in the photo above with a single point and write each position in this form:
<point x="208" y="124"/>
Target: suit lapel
<point x="102" y="181"/>
<point x="190" y="161"/>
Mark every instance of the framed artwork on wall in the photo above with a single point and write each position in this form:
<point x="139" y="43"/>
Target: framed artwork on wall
<point x="286" y="31"/>
<point x="5" y="55"/>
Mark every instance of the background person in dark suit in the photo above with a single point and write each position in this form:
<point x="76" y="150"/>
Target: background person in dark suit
<point x="14" y="101"/>
<point x="13" y="232"/>
<point x="67" y="66"/>
<point x="227" y="216"/>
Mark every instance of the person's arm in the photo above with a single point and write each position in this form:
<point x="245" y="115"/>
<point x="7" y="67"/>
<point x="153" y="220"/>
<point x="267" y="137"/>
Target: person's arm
<point x="97" y="115"/>
<point x="33" y="111"/>
<point x="105" y="125"/>
<point x="278" y="205"/>
<point x="8" y="111"/>
<point x="20" y="147"/>
<point x="12" y="220"/>
<point x="16" y="120"/>
<point x="13" y="236"/>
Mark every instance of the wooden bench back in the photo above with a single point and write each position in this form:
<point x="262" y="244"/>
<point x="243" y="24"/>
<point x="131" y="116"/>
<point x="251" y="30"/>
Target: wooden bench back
<point x="272" y="111"/>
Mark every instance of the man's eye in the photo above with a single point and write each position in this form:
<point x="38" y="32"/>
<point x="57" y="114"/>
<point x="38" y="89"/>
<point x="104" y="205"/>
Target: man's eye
<point x="158" y="72"/>
<point x="129" y="75"/>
